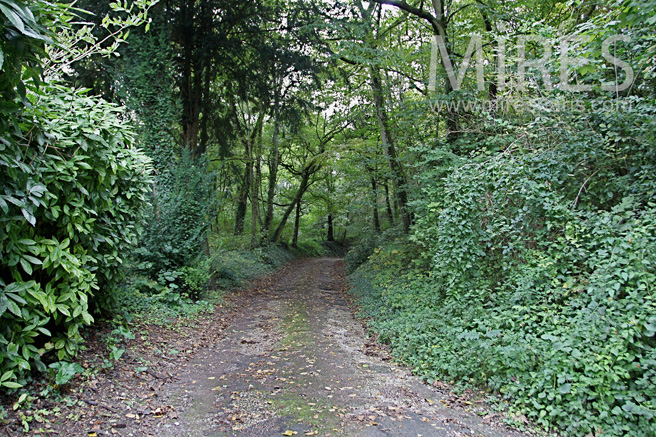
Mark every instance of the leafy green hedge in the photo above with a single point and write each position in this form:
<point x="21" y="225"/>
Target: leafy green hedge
<point x="73" y="187"/>
<point x="542" y="276"/>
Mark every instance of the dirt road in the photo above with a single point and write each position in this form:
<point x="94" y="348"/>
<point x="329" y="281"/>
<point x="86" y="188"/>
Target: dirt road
<point x="295" y="362"/>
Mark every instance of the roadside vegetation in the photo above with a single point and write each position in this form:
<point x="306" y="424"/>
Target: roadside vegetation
<point x="500" y="218"/>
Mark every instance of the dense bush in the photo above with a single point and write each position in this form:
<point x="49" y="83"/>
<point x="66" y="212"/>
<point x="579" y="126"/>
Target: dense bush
<point x="182" y="195"/>
<point x="73" y="187"/>
<point x="367" y="244"/>
<point x="541" y="283"/>
<point x="175" y="231"/>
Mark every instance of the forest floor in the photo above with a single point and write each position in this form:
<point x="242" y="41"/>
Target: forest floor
<point x="282" y="357"/>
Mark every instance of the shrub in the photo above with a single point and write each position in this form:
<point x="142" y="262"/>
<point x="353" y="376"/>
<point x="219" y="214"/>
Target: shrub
<point x="73" y="188"/>
<point x="175" y="233"/>
<point x="309" y="248"/>
<point x="366" y="245"/>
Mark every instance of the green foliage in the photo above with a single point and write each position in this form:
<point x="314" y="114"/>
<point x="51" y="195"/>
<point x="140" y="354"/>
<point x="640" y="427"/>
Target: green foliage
<point x="63" y="372"/>
<point x="176" y="230"/>
<point x="307" y="248"/>
<point x="148" y="73"/>
<point x="22" y="39"/>
<point x="114" y="342"/>
<point x="196" y="279"/>
<point x="234" y="268"/>
<point x="193" y="290"/>
<point x="155" y="303"/>
<point x="73" y="188"/>
<point x="541" y="277"/>
<point x="182" y="196"/>
<point x="367" y="245"/>
<point x="360" y="253"/>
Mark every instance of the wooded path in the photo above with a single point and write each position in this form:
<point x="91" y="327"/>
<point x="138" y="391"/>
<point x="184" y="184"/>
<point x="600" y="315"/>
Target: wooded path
<point x="296" y="362"/>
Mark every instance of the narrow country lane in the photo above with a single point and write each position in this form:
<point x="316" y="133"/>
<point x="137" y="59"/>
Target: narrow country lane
<point x="296" y="362"/>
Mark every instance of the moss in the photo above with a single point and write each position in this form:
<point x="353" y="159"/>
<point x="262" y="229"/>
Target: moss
<point x="313" y="413"/>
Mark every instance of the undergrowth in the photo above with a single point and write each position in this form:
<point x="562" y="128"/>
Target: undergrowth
<point x="193" y="290"/>
<point x="532" y="273"/>
<point x="582" y="365"/>
<point x="565" y="354"/>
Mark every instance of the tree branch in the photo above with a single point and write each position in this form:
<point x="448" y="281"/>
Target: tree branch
<point x="437" y="26"/>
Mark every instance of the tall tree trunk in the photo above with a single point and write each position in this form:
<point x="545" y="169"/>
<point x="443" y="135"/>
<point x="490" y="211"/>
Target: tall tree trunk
<point x="307" y="172"/>
<point x="204" y="134"/>
<point x="297" y="224"/>
<point x="374" y="202"/>
<point x="191" y="83"/>
<point x="330" y="188"/>
<point x="255" y="183"/>
<point x="438" y="21"/>
<point x="388" y="205"/>
<point x="331" y="234"/>
<point x="242" y="202"/>
<point x="389" y="145"/>
<point x="274" y="159"/>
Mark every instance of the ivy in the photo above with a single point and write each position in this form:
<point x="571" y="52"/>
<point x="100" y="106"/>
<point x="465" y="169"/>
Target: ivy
<point x="541" y="277"/>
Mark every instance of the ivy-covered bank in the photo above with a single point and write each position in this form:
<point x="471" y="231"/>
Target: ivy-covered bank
<point x="527" y="278"/>
<point x="581" y="364"/>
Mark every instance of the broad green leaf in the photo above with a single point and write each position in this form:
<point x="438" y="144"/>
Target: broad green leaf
<point x="13" y="18"/>
<point x="33" y="260"/>
<point x="26" y="266"/>
<point x="5" y="376"/>
<point x="11" y="306"/>
<point x="28" y="216"/>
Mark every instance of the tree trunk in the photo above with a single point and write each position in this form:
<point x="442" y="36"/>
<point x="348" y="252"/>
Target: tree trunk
<point x="307" y="172"/>
<point x="374" y="202"/>
<point x="389" y="145"/>
<point x="388" y="205"/>
<point x="297" y="224"/>
<point x="274" y="160"/>
<point x="242" y="202"/>
<point x="204" y="134"/>
<point x="256" y="188"/>
<point x="331" y="235"/>
<point x="438" y="22"/>
<point x="191" y="80"/>
<point x="255" y="183"/>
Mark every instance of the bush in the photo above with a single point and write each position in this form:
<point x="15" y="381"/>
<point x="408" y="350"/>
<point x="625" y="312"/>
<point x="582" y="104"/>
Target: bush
<point x="541" y="277"/>
<point x="175" y="233"/>
<point x="366" y="245"/>
<point x="73" y="189"/>
<point x="308" y="248"/>
<point x="231" y="268"/>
